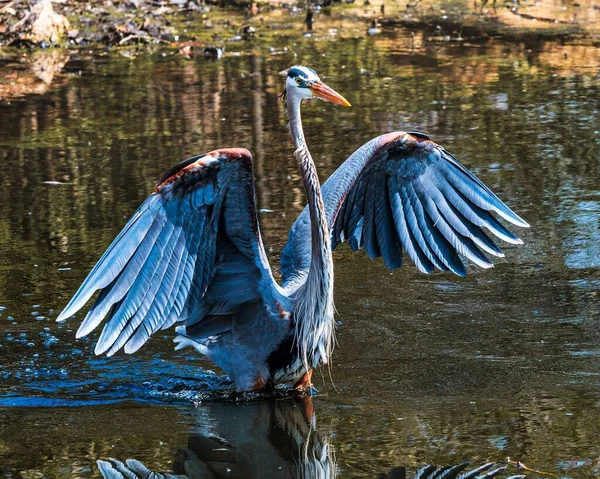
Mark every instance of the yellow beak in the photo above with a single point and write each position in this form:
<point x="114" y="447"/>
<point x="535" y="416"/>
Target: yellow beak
<point x="320" y="90"/>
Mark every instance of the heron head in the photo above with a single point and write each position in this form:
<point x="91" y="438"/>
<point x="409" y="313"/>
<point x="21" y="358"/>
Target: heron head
<point x="304" y="83"/>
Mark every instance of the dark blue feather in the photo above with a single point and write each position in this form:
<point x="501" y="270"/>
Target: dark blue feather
<point x="369" y="235"/>
<point x="159" y="269"/>
<point x="456" y="220"/>
<point x="473" y="213"/>
<point x="413" y="224"/>
<point x="349" y="206"/>
<point x="463" y="245"/>
<point x="408" y="241"/>
<point x="355" y="225"/>
<point x="183" y="281"/>
<point x="171" y="284"/>
<point x="439" y="245"/>
<point x="471" y="187"/>
<point x="387" y="238"/>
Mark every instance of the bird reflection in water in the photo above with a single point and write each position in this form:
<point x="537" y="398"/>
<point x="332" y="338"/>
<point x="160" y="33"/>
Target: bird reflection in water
<point x="485" y="471"/>
<point x="275" y="438"/>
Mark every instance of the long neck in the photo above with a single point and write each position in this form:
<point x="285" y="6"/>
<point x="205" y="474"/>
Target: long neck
<point x="320" y="236"/>
<point x="314" y="327"/>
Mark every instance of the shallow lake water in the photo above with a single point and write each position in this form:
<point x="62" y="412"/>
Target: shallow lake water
<point x="428" y="369"/>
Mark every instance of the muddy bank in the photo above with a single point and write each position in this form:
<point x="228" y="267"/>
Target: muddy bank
<point x="441" y="28"/>
<point x="30" y="63"/>
<point x="132" y="22"/>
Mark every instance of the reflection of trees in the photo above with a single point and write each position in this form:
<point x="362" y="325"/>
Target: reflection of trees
<point x="109" y="133"/>
<point x="105" y="136"/>
<point x="32" y="75"/>
<point x="542" y="431"/>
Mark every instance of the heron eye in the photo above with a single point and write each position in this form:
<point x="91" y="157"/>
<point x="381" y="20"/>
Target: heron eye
<point x="298" y="81"/>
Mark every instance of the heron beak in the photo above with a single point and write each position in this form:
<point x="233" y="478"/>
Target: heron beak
<point x="320" y="90"/>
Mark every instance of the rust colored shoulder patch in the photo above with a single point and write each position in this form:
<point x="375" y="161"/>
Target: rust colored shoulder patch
<point x="204" y="159"/>
<point x="178" y="167"/>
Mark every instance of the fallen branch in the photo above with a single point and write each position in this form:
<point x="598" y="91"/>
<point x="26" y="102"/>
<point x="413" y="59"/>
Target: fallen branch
<point x="520" y="465"/>
<point x="146" y="38"/>
<point x="526" y="16"/>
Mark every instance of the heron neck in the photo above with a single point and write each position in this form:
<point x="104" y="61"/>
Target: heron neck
<point x="321" y="261"/>
<point x="313" y="308"/>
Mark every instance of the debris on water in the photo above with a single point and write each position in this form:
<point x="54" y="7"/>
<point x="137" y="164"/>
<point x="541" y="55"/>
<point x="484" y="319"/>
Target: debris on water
<point x="186" y="51"/>
<point x="374" y="28"/>
<point x="520" y="465"/>
<point x="213" y="53"/>
<point x="247" y="32"/>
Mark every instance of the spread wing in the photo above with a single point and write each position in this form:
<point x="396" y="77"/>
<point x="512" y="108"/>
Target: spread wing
<point x="192" y="249"/>
<point x="403" y="192"/>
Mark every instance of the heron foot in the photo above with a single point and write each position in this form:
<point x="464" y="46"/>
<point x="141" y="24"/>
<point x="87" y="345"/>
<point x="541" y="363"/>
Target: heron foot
<point x="309" y="391"/>
<point x="304" y="385"/>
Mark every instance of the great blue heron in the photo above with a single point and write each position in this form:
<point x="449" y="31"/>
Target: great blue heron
<point x="192" y="253"/>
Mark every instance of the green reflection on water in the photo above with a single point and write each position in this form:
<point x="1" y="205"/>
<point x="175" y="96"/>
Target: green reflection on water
<point x="428" y="369"/>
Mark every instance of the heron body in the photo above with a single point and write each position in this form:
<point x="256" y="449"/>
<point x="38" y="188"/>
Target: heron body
<point x="193" y="255"/>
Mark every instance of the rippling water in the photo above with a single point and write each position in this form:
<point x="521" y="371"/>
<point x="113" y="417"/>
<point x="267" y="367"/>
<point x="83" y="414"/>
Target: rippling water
<point x="428" y="369"/>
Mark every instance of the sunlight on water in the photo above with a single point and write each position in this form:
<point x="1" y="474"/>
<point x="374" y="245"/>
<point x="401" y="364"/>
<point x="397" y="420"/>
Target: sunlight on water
<point x="428" y="369"/>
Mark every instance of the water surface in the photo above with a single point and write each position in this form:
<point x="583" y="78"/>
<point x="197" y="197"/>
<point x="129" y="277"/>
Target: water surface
<point x="428" y="369"/>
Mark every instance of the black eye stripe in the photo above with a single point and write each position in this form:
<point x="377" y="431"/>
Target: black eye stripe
<point x="296" y="72"/>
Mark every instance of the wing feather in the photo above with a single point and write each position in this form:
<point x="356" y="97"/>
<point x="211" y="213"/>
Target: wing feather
<point x="387" y="239"/>
<point x="115" y="258"/>
<point x="417" y="227"/>
<point x="408" y="241"/>
<point x="456" y="220"/>
<point x="123" y="283"/>
<point x="183" y="281"/>
<point x="462" y="245"/>
<point x="125" y="320"/>
<point x="355" y="225"/>
<point x="148" y="314"/>
<point x="401" y="191"/>
<point x="473" y="188"/>
<point x="437" y="242"/>
<point x="159" y="269"/>
<point x="369" y="212"/>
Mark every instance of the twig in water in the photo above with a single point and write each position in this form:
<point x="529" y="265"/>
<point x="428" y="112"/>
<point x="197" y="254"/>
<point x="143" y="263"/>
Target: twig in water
<point x="520" y="465"/>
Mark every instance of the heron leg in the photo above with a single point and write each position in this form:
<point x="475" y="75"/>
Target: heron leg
<point x="304" y="384"/>
<point x="260" y="385"/>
